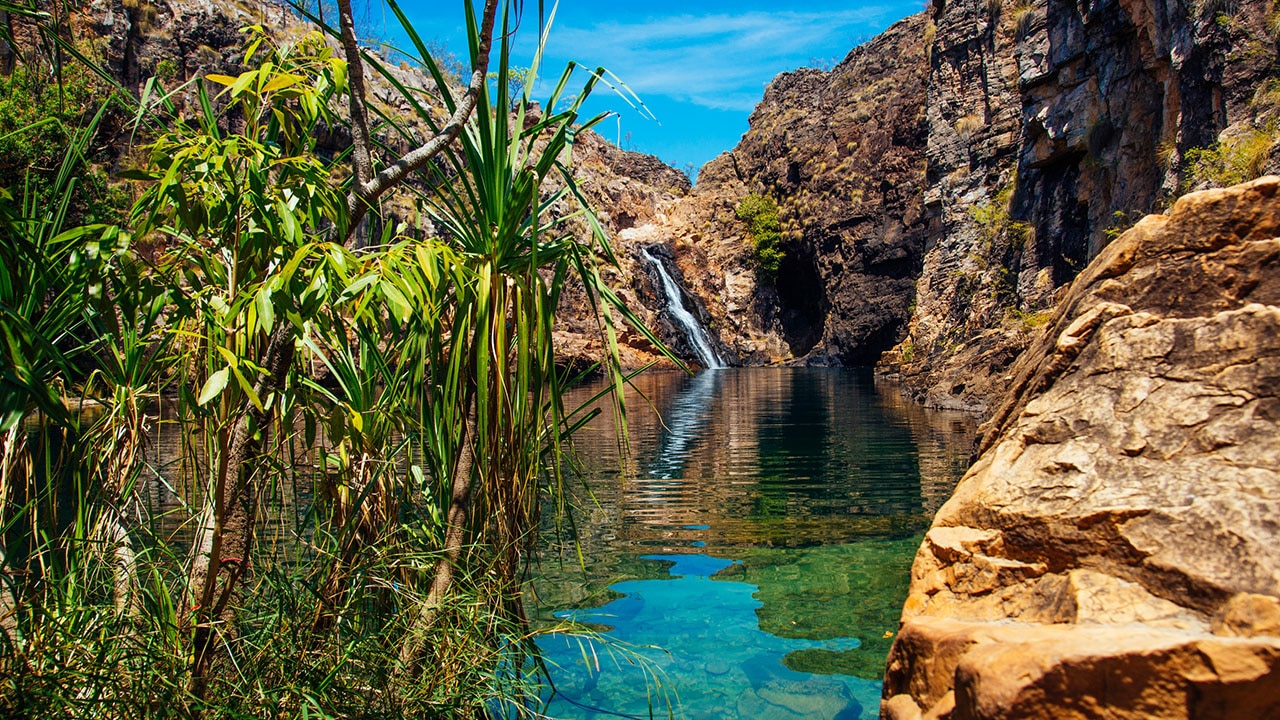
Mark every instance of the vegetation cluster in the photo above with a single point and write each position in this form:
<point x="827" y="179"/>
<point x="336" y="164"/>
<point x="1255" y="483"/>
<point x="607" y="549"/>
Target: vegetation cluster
<point x="359" y="438"/>
<point x="1243" y="153"/>
<point x="764" y="233"/>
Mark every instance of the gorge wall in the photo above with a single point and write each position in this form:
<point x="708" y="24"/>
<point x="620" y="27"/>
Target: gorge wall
<point x="939" y="187"/>
<point x="1112" y="552"/>
<point x="1053" y="126"/>
<point x="843" y="155"/>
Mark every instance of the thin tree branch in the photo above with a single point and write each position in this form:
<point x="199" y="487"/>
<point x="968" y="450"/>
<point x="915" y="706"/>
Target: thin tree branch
<point x="366" y="190"/>
<point x="361" y="156"/>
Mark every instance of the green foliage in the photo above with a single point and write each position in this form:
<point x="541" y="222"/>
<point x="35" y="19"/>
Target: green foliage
<point x="996" y="223"/>
<point x="516" y="79"/>
<point x="1236" y="159"/>
<point x="1211" y="10"/>
<point x="1000" y="236"/>
<point x="760" y="212"/>
<point x="440" y="397"/>
<point x="908" y="352"/>
<point x="1120" y="222"/>
<point x="48" y="269"/>
<point x="1267" y="96"/>
<point x="1021" y="16"/>
<point x="38" y="119"/>
<point x="166" y="69"/>
<point x="1030" y="319"/>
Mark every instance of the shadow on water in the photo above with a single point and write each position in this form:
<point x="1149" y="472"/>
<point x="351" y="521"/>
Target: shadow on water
<point x="761" y="536"/>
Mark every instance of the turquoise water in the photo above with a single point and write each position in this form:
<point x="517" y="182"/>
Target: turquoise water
<point x="749" y="555"/>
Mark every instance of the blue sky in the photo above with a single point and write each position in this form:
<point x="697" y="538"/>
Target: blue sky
<point x="699" y="67"/>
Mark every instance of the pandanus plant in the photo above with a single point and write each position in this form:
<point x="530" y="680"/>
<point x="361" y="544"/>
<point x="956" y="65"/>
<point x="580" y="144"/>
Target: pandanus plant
<point x="436" y="425"/>
<point x="478" y="310"/>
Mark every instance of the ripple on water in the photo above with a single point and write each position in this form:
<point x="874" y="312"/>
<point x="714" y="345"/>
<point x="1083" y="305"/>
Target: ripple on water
<point x="751" y="556"/>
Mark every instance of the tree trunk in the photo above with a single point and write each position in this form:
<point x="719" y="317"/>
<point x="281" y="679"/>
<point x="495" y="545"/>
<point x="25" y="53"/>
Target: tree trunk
<point x="455" y="539"/>
<point x="220" y="562"/>
<point x="221" y="557"/>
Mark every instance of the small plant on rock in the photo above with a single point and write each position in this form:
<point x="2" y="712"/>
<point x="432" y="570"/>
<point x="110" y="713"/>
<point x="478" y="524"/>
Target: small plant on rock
<point x="760" y="212"/>
<point x="1235" y="159"/>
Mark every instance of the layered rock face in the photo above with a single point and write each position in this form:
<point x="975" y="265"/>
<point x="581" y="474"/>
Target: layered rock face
<point x="1113" y="551"/>
<point x="843" y="154"/>
<point x="1052" y="126"/>
<point x="945" y="181"/>
<point x="631" y="190"/>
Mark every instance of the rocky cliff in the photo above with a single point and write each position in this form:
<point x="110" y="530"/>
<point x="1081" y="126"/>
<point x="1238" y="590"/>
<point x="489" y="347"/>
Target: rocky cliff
<point x="1112" y="553"/>
<point x="1052" y="126"/>
<point x="939" y="187"/>
<point x="842" y="153"/>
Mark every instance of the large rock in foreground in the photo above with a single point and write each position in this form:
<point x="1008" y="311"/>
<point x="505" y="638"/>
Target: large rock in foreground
<point x="1114" y="551"/>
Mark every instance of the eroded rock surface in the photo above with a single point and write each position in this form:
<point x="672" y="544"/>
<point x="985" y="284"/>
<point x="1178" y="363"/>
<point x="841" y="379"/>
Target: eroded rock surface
<point x="1113" y="552"/>
<point x="1053" y="126"/>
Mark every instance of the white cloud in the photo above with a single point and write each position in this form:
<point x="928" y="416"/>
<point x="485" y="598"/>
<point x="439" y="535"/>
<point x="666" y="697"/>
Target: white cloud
<point x="718" y="61"/>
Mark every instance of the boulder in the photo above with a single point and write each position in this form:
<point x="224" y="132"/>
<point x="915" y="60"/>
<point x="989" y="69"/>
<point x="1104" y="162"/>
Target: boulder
<point x="1113" y="551"/>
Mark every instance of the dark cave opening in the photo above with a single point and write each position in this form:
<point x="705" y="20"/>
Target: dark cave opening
<point x="802" y="302"/>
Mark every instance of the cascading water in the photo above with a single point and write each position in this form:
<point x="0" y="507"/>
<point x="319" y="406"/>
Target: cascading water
<point x="675" y="305"/>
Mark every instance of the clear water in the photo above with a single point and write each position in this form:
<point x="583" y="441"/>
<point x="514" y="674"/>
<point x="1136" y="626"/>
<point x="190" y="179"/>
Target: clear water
<point x="748" y="557"/>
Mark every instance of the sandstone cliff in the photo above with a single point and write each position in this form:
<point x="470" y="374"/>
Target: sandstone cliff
<point x="1112" y="552"/>
<point x="1052" y="126"/>
<point x="843" y="154"/>
<point x="940" y="186"/>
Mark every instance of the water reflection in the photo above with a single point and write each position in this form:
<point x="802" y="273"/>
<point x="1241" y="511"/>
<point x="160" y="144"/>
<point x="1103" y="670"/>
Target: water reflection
<point x="784" y="457"/>
<point x="686" y="419"/>
<point x="806" y="491"/>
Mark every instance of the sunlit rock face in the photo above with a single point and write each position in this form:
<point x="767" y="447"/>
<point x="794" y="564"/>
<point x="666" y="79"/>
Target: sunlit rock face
<point x="939" y="188"/>
<point x="842" y="152"/>
<point x="1072" y="119"/>
<point x="1113" y="551"/>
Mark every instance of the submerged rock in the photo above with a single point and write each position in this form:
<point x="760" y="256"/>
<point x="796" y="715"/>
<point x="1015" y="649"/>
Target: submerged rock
<point x="813" y="698"/>
<point x="1113" y="551"/>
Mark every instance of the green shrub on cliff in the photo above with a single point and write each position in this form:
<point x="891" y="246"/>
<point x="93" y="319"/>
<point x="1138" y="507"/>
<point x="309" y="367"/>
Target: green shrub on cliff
<point x="1236" y="159"/>
<point x="760" y="212"/>
<point x="39" y="115"/>
<point x="995" y="221"/>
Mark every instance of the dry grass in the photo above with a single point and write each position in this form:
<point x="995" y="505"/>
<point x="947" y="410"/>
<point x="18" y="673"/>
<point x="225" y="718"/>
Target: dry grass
<point x="1021" y="17"/>
<point x="968" y="126"/>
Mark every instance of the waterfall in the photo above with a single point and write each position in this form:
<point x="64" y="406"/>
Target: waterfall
<point x="675" y="305"/>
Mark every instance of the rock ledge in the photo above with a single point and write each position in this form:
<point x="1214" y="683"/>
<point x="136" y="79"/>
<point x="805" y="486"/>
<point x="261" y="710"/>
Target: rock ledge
<point x="1113" y="552"/>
